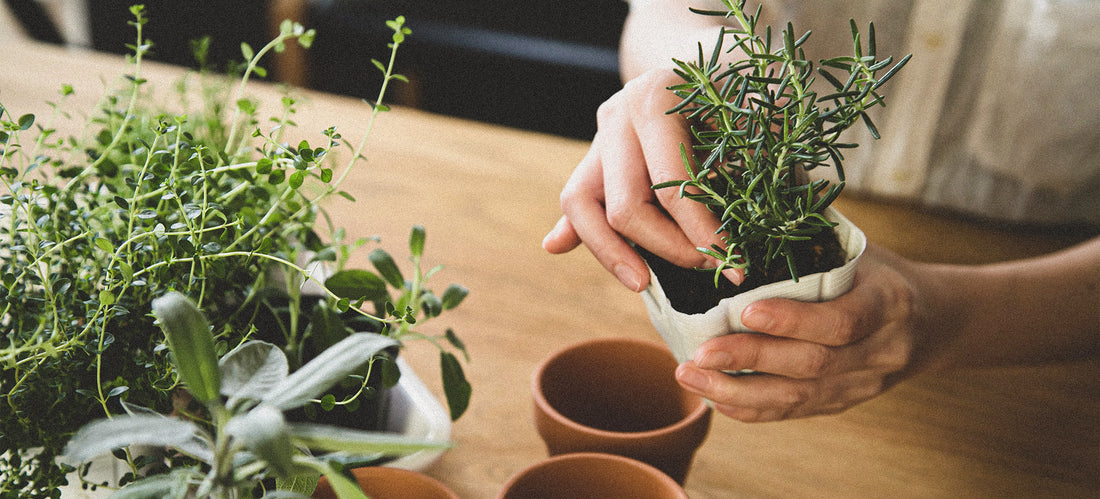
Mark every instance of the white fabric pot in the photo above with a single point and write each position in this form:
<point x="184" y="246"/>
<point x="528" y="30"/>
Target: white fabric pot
<point x="685" y="332"/>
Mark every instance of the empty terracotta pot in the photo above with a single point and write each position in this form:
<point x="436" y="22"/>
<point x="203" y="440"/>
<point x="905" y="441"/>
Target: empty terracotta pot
<point x="380" y="482"/>
<point x="619" y="396"/>
<point x="605" y="476"/>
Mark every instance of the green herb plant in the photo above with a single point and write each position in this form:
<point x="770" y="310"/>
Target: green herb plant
<point x="759" y="127"/>
<point x="214" y="204"/>
<point x="242" y="437"/>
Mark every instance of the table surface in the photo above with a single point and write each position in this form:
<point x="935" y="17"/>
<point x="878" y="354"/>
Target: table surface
<point x="488" y="194"/>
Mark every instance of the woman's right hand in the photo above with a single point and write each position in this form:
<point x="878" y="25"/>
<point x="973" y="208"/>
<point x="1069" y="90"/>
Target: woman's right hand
<point x="608" y="199"/>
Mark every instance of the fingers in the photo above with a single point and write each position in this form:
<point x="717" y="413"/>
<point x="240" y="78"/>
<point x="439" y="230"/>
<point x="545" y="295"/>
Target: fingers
<point x="855" y="332"/>
<point x="562" y="238"/>
<point x="775" y="355"/>
<point x="609" y="198"/>
<point x="585" y="220"/>
<point x="831" y="323"/>
<point x="880" y="299"/>
<point x="820" y="358"/>
<point x="763" y="397"/>
<point x="800" y="340"/>
<point x="663" y="135"/>
<point x="629" y="154"/>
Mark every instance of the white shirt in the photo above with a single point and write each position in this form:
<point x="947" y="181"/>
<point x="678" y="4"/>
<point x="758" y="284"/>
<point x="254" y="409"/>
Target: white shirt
<point x="997" y="114"/>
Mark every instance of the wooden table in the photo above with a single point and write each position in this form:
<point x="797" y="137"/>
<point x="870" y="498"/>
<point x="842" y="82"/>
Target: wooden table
<point x="488" y="194"/>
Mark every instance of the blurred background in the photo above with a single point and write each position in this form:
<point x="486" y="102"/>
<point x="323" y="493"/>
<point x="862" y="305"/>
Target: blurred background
<point x="537" y="65"/>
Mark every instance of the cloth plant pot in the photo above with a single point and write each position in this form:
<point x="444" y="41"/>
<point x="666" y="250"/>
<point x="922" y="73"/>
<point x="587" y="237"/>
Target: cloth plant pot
<point x="684" y="333"/>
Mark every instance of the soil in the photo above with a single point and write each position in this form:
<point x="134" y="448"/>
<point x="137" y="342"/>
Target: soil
<point x="692" y="291"/>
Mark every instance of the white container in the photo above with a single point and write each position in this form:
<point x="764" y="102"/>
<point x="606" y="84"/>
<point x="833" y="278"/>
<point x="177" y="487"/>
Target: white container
<point x="685" y="332"/>
<point x="414" y="412"/>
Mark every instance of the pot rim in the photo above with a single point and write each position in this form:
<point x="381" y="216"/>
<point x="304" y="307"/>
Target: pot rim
<point x="696" y="416"/>
<point x="366" y="474"/>
<point x="659" y="475"/>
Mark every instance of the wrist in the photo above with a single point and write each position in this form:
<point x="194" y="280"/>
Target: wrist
<point x="938" y="313"/>
<point x="655" y="32"/>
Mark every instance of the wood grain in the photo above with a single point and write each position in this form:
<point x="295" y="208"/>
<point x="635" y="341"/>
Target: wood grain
<point x="488" y="194"/>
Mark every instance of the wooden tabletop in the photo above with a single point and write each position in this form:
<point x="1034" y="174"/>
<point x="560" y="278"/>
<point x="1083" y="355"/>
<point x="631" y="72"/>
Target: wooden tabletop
<point x="488" y="194"/>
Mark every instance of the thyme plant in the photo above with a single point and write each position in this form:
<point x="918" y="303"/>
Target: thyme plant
<point x="759" y="127"/>
<point x="214" y="204"/>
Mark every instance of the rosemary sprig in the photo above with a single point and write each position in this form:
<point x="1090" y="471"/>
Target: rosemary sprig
<point x="758" y="127"/>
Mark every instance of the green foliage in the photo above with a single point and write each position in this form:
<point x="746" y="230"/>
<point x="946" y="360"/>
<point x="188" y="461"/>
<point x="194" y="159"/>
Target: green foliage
<point x="758" y="129"/>
<point x="244" y="436"/>
<point x="147" y="201"/>
<point x="189" y="338"/>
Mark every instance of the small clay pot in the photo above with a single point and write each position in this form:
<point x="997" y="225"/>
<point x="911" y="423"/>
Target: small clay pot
<point x="381" y="482"/>
<point x="619" y="396"/>
<point x="605" y="476"/>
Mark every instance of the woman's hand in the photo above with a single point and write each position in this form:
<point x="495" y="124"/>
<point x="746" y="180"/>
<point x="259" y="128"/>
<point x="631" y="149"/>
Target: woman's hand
<point x="608" y="200"/>
<point x="820" y="358"/>
<point x="901" y="317"/>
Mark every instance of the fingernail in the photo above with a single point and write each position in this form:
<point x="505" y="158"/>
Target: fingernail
<point x="757" y="320"/>
<point x="736" y="276"/>
<point x="690" y="378"/>
<point x="546" y="240"/>
<point x="628" y="277"/>
<point x="712" y="359"/>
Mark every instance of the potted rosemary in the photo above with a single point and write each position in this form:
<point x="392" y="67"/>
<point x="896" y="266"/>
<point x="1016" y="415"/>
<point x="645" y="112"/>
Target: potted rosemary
<point x="210" y="201"/>
<point x="759" y="127"/>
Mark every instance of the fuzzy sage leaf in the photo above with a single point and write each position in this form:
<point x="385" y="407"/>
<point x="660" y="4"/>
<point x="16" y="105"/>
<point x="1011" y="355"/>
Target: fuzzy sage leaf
<point x="105" y="435"/>
<point x="202" y="199"/>
<point x="264" y="431"/>
<point x="251" y="370"/>
<point x="331" y="366"/>
<point x="191" y="343"/>
<point x="332" y="439"/>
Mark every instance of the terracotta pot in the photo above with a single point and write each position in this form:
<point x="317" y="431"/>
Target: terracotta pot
<point x="619" y="396"/>
<point x="685" y="332"/>
<point x="605" y="476"/>
<point x="381" y="482"/>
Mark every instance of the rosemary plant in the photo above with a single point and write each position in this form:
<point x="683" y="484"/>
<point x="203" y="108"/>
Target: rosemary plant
<point x="93" y="228"/>
<point x="759" y="127"/>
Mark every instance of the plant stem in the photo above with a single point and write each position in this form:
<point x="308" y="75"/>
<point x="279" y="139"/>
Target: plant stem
<point x="230" y="147"/>
<point x="228" y="254"/>
<point x="136" y="82"/>
<point x="375" y="109"/>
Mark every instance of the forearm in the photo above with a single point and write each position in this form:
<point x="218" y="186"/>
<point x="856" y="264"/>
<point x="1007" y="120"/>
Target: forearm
<point x="1044" y="309"/>
<point x="656" y="31"/>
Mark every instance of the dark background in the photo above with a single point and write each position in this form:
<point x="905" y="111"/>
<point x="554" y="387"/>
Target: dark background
<point x="538" y="65"/>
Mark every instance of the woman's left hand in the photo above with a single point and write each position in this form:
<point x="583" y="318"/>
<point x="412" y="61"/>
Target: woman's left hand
<point x="820" y="358"/>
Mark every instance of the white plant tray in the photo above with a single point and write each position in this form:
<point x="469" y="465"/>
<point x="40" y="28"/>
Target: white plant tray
<point x="414" y="412"/>
<point x="684" y="333"/>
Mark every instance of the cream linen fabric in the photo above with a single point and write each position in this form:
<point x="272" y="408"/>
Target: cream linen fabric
<point x="997" y="115"/>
